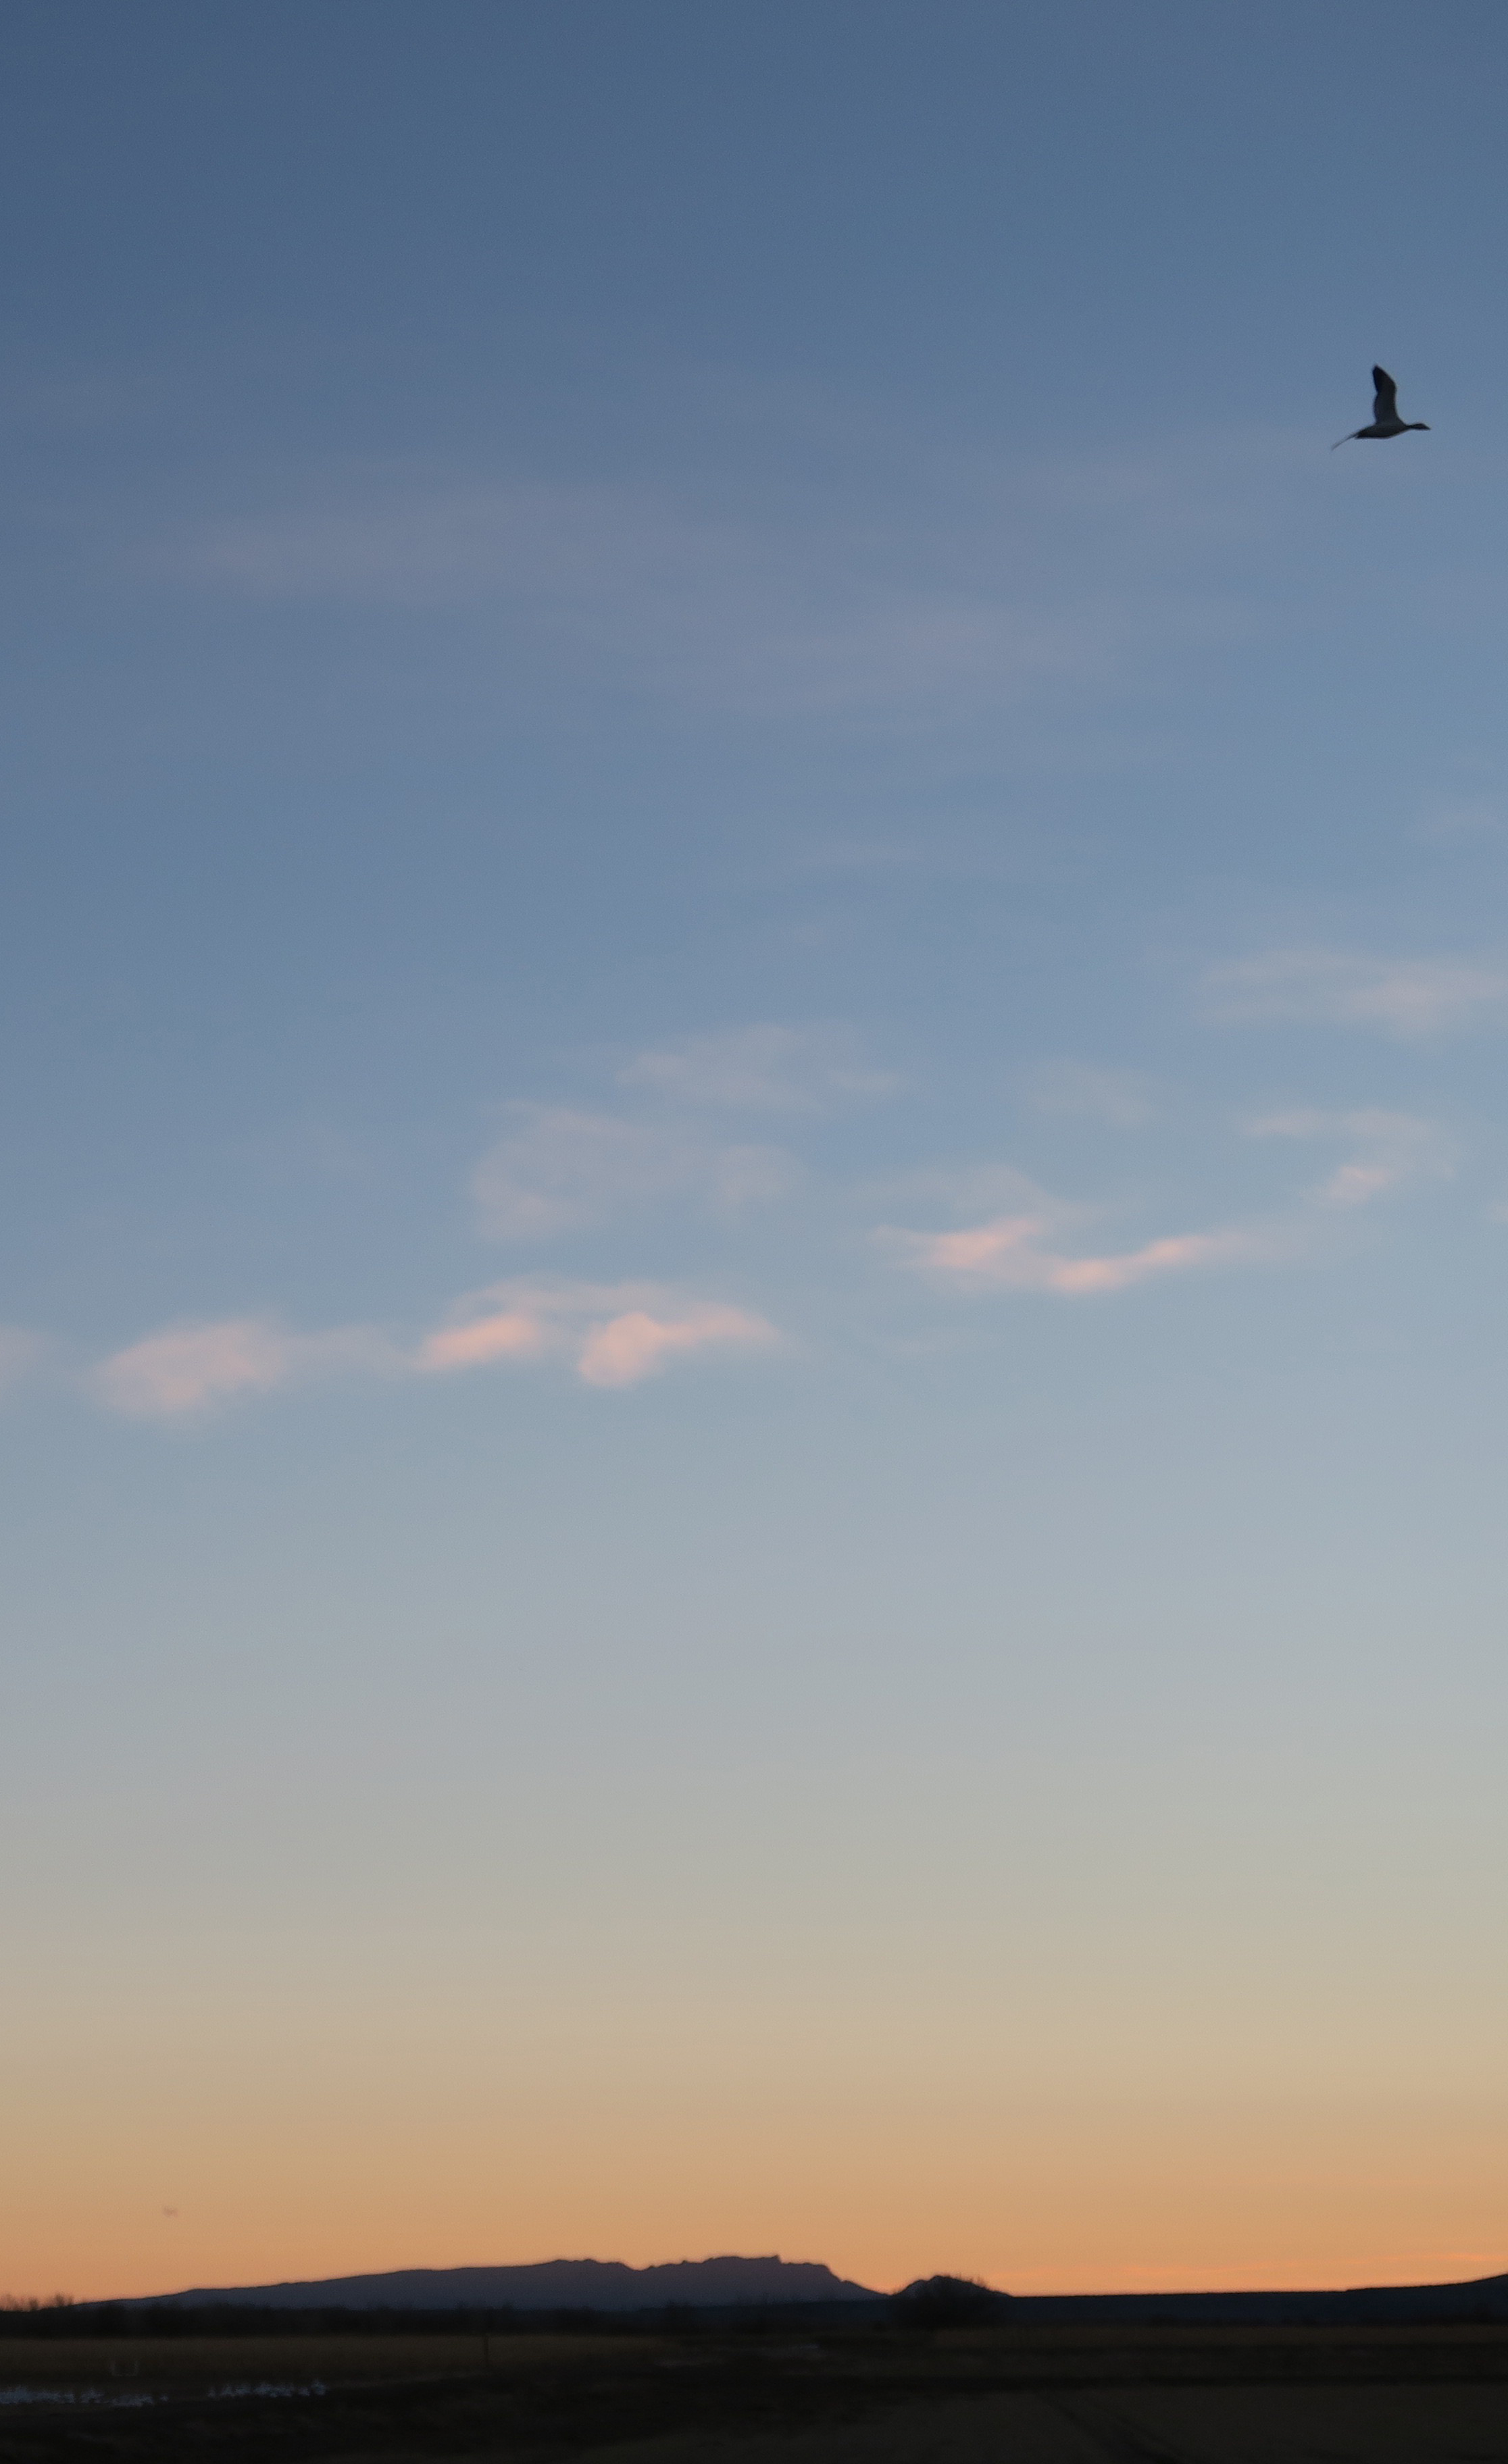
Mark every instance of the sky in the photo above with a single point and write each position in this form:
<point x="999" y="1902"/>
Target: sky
<point x="756" y="1241"/>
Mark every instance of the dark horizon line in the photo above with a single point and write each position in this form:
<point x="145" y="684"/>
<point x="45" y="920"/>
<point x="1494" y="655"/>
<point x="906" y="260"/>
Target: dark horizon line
<point x="818" y="2284"/>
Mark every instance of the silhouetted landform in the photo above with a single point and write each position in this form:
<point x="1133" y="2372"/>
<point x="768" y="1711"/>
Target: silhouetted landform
<point x="555" y="2285"/>
<point x="963" y="2301"/>
<point x="603" y="2295"/>
<point x="935" y="2302"/>
<point x="1483" y="2301"/>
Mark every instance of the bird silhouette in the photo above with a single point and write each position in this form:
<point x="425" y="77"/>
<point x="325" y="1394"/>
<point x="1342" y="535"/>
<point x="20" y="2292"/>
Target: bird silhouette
<point x="1386" y="421"/>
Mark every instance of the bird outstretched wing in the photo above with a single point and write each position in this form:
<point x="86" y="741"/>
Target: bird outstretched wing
<point x="1385" y="404"/>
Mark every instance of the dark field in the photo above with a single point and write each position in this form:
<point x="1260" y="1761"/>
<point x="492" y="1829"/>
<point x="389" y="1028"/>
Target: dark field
<point x="1153" y="2395"/>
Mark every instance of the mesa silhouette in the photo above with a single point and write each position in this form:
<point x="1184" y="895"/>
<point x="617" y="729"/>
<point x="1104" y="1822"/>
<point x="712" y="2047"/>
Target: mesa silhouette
<point x="551" y="2285"/>
<point x="587" y="2286"/>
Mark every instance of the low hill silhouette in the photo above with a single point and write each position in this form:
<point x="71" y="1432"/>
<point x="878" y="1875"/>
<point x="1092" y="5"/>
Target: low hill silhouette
<point x="951" y="2302"/>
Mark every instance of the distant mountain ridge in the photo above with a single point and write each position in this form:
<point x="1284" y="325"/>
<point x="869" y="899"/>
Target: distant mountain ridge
<point x="551" y="2285"/>
<point x="726" y="2284"/>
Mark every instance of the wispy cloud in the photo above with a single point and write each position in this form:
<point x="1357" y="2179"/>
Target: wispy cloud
<point x="611" y="1334"/>
<point x="637" y="1344"/>
<point x="1407" y="997"/>
<point x="1024" y="1248"/>
<point x="1003" y="579"/>
<point x="1012" y="1254"/>
<point x="1391" y="1151"/>
<point x="382" y="537"/>
<point x="496" y="1333"/>
<point x="187" y="1370"/>
<point x="767" y="1069"/>
<point x="731" y="606"/>
<point x="614" y="1333"/>
<point x="1074" y="1090"/>
<point x="564" y="1169"/>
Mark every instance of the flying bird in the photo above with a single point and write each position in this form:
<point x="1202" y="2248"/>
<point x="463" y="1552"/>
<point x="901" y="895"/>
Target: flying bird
<point x="1386" y="421"/>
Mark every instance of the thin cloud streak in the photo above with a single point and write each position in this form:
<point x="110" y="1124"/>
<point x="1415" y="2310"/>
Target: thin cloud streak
<point x="1009" y="1254"/>
<point x="1407" y="997"/>
<point x="187" y="1370"/>
<point x="505" y="1334"/>
<point x="612" y="1334"/>
<point x="1016" y="578"/>
<point x="724" y="608"/>
<point x="563" y="1167"/>
<point x="768" y="1068"/>
<point x="1016" y="1250"/>
<point x="637" y="1345"/>
<point x="563" y="1170"/>
<point x="1393" y="1151"/>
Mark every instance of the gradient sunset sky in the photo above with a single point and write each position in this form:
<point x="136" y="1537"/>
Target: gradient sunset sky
<point x="755" y="1002"/>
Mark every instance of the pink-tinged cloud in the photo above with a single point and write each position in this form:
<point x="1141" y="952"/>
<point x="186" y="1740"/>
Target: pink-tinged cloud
<point x="1357" y="1184"/>
<point x="1009" y="1255"/>
<point x="190" y="1367"/>
<point x="510" y="1334"/>
<point x="1175" y="1255"/>
<point x="636" y="1345"/>
<point x="1392" y="1151"/>
<point x="614" y="1334"/>
<point x="186" y="1371"/>
<point x="995" y="1250"/>
<point x="1409" y="998"/>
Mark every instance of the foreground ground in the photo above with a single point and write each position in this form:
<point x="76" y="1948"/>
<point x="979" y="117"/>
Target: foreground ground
<point x="1156" y="2396"/>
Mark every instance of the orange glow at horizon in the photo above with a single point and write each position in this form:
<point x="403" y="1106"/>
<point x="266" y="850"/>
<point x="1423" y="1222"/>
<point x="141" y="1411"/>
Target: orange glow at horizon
<point x="272" y="2164"/>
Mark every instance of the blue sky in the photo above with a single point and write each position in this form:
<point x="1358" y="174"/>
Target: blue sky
<point x="757" y="1205"/>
